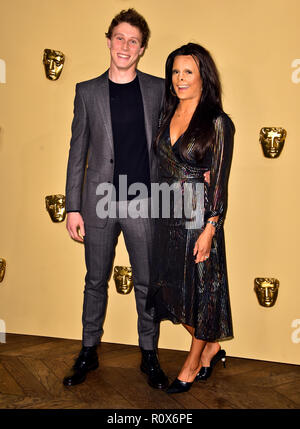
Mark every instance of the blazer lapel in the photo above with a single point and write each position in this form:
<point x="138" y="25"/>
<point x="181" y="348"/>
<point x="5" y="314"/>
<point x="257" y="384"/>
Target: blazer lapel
<point x="104" y="106"/>
<point x="147" y="102"/>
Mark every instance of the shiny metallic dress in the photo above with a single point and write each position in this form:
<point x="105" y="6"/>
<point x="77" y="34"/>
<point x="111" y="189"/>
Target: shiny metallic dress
<point x="180" y="290"/>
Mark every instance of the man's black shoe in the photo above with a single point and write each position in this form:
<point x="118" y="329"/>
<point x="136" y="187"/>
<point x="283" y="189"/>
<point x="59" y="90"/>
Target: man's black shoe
<point x="151" y="367"/>
<point x="86" y="361"/>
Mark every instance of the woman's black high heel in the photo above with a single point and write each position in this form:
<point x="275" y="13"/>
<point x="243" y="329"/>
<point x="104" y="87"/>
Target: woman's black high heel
<point x="179" y="386"/>
<point x="206" y="371"/>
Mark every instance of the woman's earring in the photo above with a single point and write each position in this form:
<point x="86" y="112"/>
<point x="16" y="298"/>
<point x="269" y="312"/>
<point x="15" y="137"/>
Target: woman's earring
<point x="171" y="90"/>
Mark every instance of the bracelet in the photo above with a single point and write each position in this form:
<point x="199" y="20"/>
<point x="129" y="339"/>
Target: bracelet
<point x="212" y="222"/>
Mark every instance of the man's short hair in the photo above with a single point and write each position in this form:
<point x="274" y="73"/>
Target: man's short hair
<point x="132" y="17"/>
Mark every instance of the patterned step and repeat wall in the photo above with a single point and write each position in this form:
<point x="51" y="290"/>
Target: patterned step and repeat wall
<point x="256" y="47"/>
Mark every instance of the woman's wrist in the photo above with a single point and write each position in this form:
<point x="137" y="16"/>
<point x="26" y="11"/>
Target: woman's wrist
<point x="211" y="222"/>
<point x="211" y="227"/>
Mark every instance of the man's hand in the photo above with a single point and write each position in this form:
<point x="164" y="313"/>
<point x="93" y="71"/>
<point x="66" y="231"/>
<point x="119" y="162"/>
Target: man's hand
<point x="75" y="226"/>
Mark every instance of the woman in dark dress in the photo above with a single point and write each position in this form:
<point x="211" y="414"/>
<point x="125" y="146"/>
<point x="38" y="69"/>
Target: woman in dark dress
<point x="194" y="147"/>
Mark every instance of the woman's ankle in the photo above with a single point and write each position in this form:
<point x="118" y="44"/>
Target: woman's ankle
<point x="189" y="372"/>
<point x="208" y="353"/>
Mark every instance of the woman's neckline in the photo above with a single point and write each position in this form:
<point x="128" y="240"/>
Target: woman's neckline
<point x="169" y="131"/>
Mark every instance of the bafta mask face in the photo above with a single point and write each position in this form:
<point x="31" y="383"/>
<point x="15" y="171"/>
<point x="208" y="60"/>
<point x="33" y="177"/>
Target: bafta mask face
<point x="2" y="268"/>
<point x="55" y="204"/>
<point x="54" y="63"/>
<point x="266" y="290"/>
<point x="123" y="279"/>
<point x="272" y="140"/>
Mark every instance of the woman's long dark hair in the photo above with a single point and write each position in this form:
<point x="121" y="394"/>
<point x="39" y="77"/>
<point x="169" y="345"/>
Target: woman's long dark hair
<point x="201" y="126"/>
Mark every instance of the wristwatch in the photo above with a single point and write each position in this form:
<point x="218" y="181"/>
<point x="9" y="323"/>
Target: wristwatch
<point x="212" y="222"/>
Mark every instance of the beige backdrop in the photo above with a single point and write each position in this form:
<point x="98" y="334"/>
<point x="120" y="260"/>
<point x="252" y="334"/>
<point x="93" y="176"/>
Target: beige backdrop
<point x="254" y="44"/>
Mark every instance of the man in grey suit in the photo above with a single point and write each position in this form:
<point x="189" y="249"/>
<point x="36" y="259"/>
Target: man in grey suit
<point x="115" y="121"/>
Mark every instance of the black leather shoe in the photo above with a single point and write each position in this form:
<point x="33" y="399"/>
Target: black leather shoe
<point x="86" y="361"/>
<point x="151" y="367"/>
<point x="179" y="386"/>
<point x="206" y="371"/>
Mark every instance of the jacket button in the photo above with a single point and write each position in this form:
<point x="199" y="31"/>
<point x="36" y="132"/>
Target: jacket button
<point x="111" y="161"/>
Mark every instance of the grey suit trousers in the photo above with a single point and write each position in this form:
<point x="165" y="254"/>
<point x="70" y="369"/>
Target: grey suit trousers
<point x="100" y="246"/>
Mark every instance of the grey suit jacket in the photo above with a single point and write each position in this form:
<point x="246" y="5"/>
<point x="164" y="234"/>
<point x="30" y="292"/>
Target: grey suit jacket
<point x="91" y="156"/>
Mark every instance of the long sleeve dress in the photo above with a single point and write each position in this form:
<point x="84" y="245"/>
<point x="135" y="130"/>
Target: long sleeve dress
<point x="181" y="290"/>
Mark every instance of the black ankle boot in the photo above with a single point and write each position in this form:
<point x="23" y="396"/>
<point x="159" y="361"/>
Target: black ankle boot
<point x="150" y="366"/>
<point x="86" y="361"/>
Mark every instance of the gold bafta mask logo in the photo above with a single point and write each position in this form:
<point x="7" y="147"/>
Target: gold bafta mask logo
<point x="272" y="140"/>
<point x="266" y="290"/>
<point x="55" y="205"/>
<point x="2" y="269"/>
<point x="54" y="63"/>
<point x="123" y="279"/>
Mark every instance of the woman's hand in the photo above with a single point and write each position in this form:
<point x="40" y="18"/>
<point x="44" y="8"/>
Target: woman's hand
<point x="203" y="244"/>
<point x="207" y="177"/>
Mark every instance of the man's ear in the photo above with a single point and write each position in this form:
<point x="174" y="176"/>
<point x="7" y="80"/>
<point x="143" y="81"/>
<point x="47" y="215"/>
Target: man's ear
<point x="142" y="50"/>
<point x="108" y="42"/>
